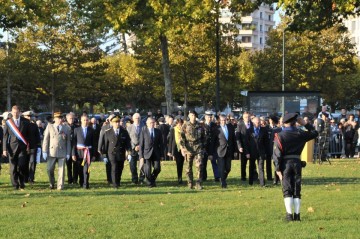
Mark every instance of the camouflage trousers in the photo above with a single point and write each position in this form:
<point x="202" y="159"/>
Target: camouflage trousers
<point x="189" y="159"/>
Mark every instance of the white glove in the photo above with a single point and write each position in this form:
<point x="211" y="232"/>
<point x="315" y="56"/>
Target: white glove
<point x="44" y="156"/>
<point x="105" y="160"/>
<point x="67" y="157"/>
<point x="129" y="158"/>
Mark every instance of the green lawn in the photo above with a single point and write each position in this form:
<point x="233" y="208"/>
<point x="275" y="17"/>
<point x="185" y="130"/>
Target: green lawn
<point x="330" y="207"/>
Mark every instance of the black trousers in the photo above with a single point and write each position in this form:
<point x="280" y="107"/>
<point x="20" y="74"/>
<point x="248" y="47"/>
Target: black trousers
<point x="32" y="165"/>
<point x="117" y="166"/>
<point x="70" y="167"/>
<point x="261" y="162"/>
<point x="83" y="173"/>
<point x="18" y="167"/>
<point x="291" y="170"/>
<point x="224" y="164"/>
<point x="179" y="159"/>
<point x="108" y="172"/>
<point x="243" y="163"/>
<point x="150" y="174"/>
<point x="268" y="168"/>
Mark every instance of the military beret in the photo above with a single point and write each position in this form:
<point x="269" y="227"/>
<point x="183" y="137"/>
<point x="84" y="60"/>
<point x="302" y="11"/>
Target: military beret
<point x="193" y="112"/>
<point x="274" y="118"/>
<point x="289" y="117"/>
<point x="57" y="114"/>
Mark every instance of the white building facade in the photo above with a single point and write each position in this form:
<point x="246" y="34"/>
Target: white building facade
<point x="353" y="26"/>
<point x="254" y="27"/>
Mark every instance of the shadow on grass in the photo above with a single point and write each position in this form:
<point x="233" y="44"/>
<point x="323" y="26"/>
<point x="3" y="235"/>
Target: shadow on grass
<point x="329" y="180"/>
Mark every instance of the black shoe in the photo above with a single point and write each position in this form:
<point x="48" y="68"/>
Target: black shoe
<point x="224" y="185"/>
<point x="51" y="187"/>
<point x="180" y="181"/>
<point x="217" y="179"/>
<point x="297" y="217"/>
<point x="289" y="217"/>
<point x="243" y="179"/>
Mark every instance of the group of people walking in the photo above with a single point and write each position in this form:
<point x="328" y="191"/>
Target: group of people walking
<point x="145" y="143"/>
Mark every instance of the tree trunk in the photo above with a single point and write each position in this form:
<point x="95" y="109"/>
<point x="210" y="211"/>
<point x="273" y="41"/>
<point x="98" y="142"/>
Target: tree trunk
<point x="185" y="95"/>
<point x="167" y="73"/>
<point x="124" y="43"/>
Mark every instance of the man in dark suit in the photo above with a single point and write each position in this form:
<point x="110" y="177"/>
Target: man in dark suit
<point x="165" y="129"/>
<point x="225" y="145"/>
<point x="106" y="125"/>
<point x="72" y="173"/>
<point x="151" y="150"/>
<point x="34" y="143"/>
<point x="242" y="143"/>
<point x="257" y="138"/>
<point x="97" y="130"/>
<point x="16" y="142"/>
<point x="83" y="150"/>
<point x="116" y="143"/>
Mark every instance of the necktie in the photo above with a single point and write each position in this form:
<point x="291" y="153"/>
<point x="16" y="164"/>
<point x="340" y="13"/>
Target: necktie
<point x="256" y="132"/>
<point x="152" y="135"/>
<point x="117" y="132"/>
<point x="137" y="129"/>
<point x="17" y="123"/>
<point x="58" y="128"/>
<point x="226" y="132"/>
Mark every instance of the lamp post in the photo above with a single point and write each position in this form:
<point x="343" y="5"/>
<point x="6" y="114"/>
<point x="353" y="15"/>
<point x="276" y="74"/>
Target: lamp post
<point x="283" y="73"/>
<point x="217" y="29"/>
<point x="8" y="82"/>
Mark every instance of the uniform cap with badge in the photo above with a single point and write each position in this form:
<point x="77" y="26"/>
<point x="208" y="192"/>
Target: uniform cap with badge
<point x="57" y="115"/>
<point x="290" y="117"/>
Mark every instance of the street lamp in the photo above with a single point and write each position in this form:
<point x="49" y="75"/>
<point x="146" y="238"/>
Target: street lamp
<point x="217" y="29"/>
<point x="283" y="74"/>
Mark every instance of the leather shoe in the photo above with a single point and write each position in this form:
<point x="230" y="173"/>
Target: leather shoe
<point x="289" y="217"/>
<point x="297" y="217"/>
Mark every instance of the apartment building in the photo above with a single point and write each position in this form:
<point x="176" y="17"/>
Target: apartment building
<point x="254" y="27"/>
<point x="353" y="26"/>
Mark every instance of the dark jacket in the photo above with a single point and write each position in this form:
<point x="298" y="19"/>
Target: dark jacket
<point x="222" y="145"/>
<point x="241" y="138"/>
<point x="150" y="147"/>
<point x="14" y="143"/>
<point x="79" y="139"/>
<point x="257" y="144"/>
<point x="116" y="144"/>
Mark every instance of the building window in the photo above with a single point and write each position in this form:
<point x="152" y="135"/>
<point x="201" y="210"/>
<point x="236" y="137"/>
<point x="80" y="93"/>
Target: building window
<point x="246" y="39"/>
<point x="261" y="15"/>
<point x="269" y="17"/>
<point x="261" y="41"/>
<point x="261" y="28"/>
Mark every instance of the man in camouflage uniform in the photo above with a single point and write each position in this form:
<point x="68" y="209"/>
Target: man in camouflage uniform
<point x="323" y="127"/>
<point x="192" y="147"/>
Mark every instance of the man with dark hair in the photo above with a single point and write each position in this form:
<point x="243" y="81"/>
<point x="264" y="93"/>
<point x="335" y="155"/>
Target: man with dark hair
<point x="288" y="145"/>
<point x="225" y="145"/>
<point x="83" y="150"/>
<point x="16" y="143"/>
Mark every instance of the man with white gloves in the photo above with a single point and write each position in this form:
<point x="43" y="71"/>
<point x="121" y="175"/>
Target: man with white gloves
<point x="56" y="147"/>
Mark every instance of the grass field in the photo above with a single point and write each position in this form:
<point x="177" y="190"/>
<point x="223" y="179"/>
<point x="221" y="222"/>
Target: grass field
<point x="330" y="207"/>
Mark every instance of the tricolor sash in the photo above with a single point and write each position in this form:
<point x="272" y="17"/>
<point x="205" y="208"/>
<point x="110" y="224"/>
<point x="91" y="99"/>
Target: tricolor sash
<point x="86" y="158"/>
<point x="12" y="126"/>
